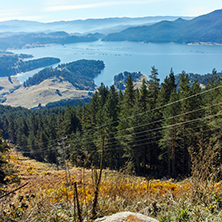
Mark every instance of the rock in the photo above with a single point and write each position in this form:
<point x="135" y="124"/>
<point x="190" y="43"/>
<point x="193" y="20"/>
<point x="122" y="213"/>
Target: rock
<point x="126" y="217"/>
<point x="132" y="218"/>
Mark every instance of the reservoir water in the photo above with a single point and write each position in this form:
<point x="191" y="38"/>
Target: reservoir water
<point x="133" y="57"/>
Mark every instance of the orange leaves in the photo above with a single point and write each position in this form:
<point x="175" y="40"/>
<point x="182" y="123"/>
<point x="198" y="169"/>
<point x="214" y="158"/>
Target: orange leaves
<point x="118" y="191"/>
<point x="52" y="183"/>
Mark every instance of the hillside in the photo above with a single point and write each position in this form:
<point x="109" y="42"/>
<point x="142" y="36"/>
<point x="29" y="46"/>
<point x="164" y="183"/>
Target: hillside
<point x="154" y="133"/>
<point x="79" y="73"/>
<point x="27" y="40"/>
<point x="11" y="64"/>
<point x="121" y="79"/>
<point x="49" y="90"/>
<point x="74" y="80"/>
<point x="205" y="28"/>
<point x="47" y="190"/>
<point x="55" y="91"/>
<point x="202" y="79"/>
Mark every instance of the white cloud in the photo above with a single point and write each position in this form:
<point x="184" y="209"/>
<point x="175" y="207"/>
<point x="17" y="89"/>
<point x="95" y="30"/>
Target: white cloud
<point x="95" y="5"/>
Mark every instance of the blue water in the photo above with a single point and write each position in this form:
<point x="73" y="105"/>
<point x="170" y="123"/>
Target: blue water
<point x="133" y="57"/>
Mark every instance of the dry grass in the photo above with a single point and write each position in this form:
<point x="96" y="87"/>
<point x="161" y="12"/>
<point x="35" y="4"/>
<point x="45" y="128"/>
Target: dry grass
<point x="7" y="85"/>
<point x="48" y="198"/>
<point x="44" y="93"/>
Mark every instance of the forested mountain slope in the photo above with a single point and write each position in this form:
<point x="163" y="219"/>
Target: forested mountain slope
<point x="144" y="129"/>
<point x="120" y="80"/>
<point x="74" y="80"/>
<point x="11" y="64"/>
<point x="205" y="28"/>
<point x="79" y="73"/>
<point x="27" y="40"/>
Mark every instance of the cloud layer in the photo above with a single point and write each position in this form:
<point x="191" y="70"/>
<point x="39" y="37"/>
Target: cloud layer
<point x="57" y="7"/>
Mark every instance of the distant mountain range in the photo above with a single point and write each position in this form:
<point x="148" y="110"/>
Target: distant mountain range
<point x="157" y="29"/>
<point x="27" y="40"/>
<point x="206" y="28"/>
<point x="104" y="26"/>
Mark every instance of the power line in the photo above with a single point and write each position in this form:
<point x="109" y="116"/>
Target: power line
<point x="130" y="128"/>
<point x="146" y="124"/>
<point x="157" y="108"/>
<point x="151" y="142"/>
<point x="206" y="91"/>
<point x="172" y="125"/>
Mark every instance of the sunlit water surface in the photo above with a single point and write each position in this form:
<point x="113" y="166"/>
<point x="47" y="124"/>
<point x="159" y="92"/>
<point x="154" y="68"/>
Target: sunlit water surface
<point x="133" y="57"/>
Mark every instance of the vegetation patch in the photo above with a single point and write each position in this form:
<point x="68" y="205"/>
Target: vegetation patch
<point x="11" y="64"/>
<point x="49" y="195"/>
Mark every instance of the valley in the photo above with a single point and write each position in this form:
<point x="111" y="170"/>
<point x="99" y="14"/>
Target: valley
<point x="110" y="114"/>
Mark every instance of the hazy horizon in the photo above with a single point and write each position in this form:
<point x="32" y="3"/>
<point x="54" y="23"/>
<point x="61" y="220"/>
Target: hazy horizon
<point x="66" y="10"/>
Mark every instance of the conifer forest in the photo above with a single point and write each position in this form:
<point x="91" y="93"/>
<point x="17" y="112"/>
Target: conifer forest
<point x="157" y="130"/>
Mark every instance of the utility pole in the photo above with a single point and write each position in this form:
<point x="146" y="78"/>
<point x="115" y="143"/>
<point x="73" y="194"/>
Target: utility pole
<point x="65" y="161"/>
<point x="97" y="181"/>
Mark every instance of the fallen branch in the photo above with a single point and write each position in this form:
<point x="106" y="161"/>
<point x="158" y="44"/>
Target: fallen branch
<point x="14" y="190"/>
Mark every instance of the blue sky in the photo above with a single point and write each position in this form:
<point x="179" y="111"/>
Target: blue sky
<point x="56" y="10"/>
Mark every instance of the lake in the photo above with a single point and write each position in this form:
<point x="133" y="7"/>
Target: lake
<point x="133" y="57"/>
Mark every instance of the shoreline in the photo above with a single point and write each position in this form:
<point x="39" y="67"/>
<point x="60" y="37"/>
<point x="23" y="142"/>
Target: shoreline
<point x="204" y="43"/>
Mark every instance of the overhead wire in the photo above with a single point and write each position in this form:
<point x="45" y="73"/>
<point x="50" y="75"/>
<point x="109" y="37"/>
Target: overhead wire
<point x="110" y="146"/>
<point x="150" y="142"/>
<point x="153" y="141"/>
<point x="143" y="125"/>
<point x="130" y="128"/>
<point x="177" y="124"/>
<point x="142" y="113"/>
<point x="157" y="108"/>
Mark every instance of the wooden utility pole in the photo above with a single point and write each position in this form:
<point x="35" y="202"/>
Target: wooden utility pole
<point x="97" y="182"/>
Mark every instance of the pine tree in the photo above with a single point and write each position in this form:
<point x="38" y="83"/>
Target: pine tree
<point x="71" y="122"/>
<point x="127" y="104"/>
<point x="139" y="140"/>
<point x="112" y="148"/>
<point x="143" y="96"/>
<point x="154" y="115"/>
<point x="3" y="148"/>
<point x="111" y="106"/>
<point x="153" y="86"/>
<point x="196" y="103"/>
<point x="169" y="143"/>
<point x="88" y="124"/>
<point x="211" y="97"/>
<point x="51" y="155"/>
<point x="185" y="91"/>
<point x="167" y="87"/>
<point x="129" y="94"/>
<point x="12" y="129"/>
<point x="60" y="131"/>
<point x="22" y="135"/>
<point x="93" y="107"/>
<point x="126" y="112"/>
<point x="103" y="92"/>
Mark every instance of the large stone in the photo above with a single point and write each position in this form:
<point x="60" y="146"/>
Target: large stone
<point x="126" y="217"/>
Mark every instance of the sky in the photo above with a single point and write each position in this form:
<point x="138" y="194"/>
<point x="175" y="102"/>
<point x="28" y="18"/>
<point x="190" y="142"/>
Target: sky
<point x="57" y="10"/>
